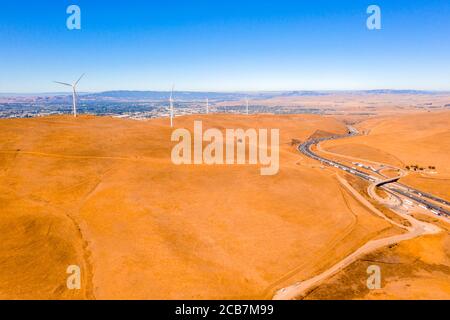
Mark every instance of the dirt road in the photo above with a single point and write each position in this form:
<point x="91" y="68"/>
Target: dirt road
<point x="418" y="228"/>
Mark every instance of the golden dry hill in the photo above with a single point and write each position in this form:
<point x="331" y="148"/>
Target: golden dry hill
<point x="102" y="193"/>
<point x="414" y="269"/>
<point x="419" y="139"/>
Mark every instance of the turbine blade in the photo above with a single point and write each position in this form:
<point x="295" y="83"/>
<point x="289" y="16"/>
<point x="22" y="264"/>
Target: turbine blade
<point x="79" y="79"/>
<point x="63" y="83"/>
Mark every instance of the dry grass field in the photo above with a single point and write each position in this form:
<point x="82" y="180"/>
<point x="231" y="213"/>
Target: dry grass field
<point x="415" y="269"/>
<point x="103" y="194"/>
<point x="421" y="139"/>
<point x="357" y="106"/>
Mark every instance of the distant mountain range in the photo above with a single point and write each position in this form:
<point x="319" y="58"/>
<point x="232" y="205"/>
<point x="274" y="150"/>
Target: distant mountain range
<point x="193" y="95"/>
<point x="225" y="96"/>
<point x="163" y="95"/>
<point x="388" y="91"/>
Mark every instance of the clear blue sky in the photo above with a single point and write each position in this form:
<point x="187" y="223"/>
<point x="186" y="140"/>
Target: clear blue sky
<point x="225" y="45"/>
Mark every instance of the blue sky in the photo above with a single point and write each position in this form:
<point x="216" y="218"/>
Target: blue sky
<point x="225" y="45"/>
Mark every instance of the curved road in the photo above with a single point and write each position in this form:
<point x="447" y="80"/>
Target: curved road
<point x="396" y="189"/>
<point x="417" y="228"/>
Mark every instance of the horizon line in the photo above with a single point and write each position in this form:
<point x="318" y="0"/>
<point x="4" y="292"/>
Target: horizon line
<point x="227" y="91"/>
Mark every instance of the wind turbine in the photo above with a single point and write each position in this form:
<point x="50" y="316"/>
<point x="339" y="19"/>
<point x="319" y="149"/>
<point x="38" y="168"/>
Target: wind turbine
<point x="246" y="100"/>
<point x="74" y="93"/>
<point x="207" y="106"/>
<point x="171" y="107"/>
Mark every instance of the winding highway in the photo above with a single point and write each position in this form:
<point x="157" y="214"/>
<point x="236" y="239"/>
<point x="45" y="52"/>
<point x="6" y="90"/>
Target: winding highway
<point x="400" y="193"/>
<point x="422" y="199"/>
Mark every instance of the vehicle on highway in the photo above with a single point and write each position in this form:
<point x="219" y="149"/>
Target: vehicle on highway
<point x="396" y="190"/>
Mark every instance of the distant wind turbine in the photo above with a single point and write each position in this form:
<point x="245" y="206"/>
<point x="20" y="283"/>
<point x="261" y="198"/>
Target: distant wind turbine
<point x="171" y="107"/>
<point x="74" y="93"/>
<point x="207" y="106"/>
<point x="247" y="105"/>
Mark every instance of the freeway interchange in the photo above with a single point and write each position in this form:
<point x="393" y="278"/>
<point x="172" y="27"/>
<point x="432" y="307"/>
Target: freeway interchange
<point x="424" y="200"/>
<point x="400" y="197"/>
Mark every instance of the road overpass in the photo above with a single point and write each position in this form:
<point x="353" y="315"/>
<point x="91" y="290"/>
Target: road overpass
<point x="391" y="186"/>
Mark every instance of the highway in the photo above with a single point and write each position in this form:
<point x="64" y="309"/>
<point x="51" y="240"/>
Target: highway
<point x="425" y="195"/>
<point x="397" y="189"/>
<point x="402" y="195"/>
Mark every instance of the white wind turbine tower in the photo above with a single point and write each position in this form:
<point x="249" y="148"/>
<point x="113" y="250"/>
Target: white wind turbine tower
<point x="171" y="107"/>
<point x="207" y="106"/>
<point x="247" y="104"/>
<point x="74" y="93"/>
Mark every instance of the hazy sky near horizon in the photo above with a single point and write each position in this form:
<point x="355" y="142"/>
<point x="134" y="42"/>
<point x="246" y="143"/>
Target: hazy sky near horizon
<point x="225" y="45"/>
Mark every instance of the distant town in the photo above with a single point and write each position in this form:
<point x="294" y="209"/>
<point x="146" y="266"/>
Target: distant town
<point x="141" y="105"/>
